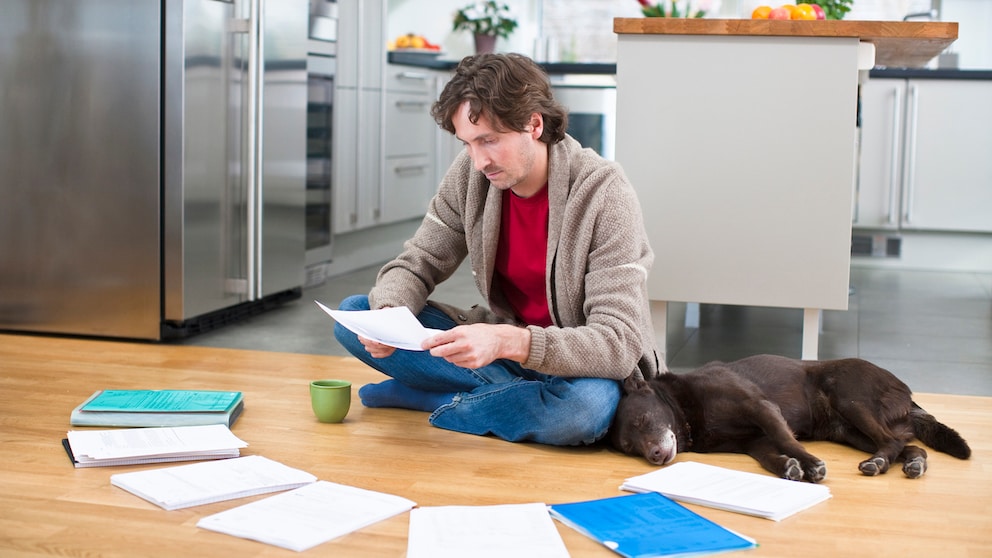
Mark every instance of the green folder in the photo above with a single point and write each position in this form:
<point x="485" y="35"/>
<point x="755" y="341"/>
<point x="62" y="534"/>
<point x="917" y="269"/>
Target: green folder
<point x="158" y="408"/>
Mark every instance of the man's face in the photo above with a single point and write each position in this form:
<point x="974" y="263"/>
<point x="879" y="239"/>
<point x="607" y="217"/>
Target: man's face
<point x="508" y="159"/>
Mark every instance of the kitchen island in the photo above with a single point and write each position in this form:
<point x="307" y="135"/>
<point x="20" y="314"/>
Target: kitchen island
<point x="740" y="138"/>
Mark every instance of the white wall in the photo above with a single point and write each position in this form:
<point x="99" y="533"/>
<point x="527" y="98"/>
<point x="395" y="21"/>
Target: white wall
<point x="583" y="29"/>
<point x="974" y="44"/>
<point x="433" y="19"/>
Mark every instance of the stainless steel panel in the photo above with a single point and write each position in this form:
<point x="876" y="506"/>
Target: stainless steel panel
<point x="320" y="166"/>
<point x="79" y="166"/>
<point x="283" y="141"/>
<point x="206" y="193"/>
<point x="234" y="152"/>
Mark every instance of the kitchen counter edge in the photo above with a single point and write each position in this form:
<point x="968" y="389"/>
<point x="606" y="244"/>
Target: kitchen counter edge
<point x="606" y="68"/>
<point x="556" y="68"/>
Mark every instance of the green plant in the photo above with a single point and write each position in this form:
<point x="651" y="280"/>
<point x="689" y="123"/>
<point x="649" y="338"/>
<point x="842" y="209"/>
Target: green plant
<point x="833" y="9"/>
<point x="485" y="18"/>
<point x="670" y="8"/>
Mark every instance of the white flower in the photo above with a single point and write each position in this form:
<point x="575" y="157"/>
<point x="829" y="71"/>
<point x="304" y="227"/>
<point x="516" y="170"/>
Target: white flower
<point x="486" y="18"/>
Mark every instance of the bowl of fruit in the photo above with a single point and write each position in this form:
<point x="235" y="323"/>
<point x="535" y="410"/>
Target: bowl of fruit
<point x="811" y="9"/>
<point x="413" y="44"/>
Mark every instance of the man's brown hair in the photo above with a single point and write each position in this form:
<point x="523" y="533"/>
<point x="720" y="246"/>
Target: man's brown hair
<point x="507" y="89"/>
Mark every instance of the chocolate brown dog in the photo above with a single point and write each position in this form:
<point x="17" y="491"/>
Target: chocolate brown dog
<point x="762" y="406"/>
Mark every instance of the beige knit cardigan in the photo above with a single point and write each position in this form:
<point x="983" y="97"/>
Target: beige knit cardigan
<point x="597" y="265"/>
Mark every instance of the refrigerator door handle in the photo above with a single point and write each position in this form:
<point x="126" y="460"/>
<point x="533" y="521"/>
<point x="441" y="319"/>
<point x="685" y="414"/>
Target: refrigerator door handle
<point x="254" y="155"/>
<point x="237" y="279"/>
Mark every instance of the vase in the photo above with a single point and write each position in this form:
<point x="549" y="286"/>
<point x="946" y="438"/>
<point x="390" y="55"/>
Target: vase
<point x="485" y="43"/>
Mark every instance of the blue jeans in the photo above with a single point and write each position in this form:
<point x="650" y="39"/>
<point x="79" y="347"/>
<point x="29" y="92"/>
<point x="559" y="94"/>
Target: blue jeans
<point x="503" y="398"/>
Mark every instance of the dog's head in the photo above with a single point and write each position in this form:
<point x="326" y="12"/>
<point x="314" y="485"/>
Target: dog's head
<point x="644" y="424"/>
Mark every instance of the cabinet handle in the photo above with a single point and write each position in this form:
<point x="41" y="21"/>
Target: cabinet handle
<point x="909" y="169"/>
<point x="410" y="169"/>
<point x="894" y="155"/>
<point x="414" y="75"/>
<point x="409" y="104"/>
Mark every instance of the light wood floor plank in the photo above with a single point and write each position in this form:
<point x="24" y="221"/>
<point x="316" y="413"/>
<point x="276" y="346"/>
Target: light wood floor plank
<point x="47" y="508"/>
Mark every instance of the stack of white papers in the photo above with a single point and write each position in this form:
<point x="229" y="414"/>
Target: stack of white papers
<point x="726" y="489"/>
<point x="173" y="488"/>
<point x="97" y="448"/>
<point x="518" y="530"/>
<point x="308" y="516"/>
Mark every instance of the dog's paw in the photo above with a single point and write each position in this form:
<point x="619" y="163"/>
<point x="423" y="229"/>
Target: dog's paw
<point x="792" y="470"/>
<point x="816" y="471"/>
<point x="874" y="466"/>
<point x="915" y="467"/>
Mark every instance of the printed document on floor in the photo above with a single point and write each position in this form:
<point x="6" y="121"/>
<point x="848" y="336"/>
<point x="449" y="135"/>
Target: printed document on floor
<point x="126" y="446"/>
<point x="174" y="488"/>
<point x="737" y="491"/>
<point x="517" y="530"/>
<point x="308" y="516"/>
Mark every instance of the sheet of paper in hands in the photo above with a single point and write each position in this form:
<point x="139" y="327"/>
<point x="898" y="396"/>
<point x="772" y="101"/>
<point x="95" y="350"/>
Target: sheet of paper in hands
<point x="396" y="327"/>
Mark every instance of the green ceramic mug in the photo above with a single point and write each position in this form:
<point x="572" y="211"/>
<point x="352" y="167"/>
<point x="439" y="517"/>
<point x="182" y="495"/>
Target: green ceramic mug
<point x="330" y="399"/>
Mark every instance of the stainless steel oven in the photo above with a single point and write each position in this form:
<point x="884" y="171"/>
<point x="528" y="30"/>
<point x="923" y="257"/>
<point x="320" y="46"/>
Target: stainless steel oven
<point x="321" y="71"/>
<point x="592" y="103"/>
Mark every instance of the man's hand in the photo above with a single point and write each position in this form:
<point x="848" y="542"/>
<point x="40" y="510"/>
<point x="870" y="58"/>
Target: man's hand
<point x="376" y="349"/>
<point x="477" y="345"/>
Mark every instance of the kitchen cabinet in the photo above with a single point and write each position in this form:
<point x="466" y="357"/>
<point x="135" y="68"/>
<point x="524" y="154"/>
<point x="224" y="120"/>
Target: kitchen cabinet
<point x="384" y="148"/>
<point x="924" y="163"/>
<point x="766" y="226"/>
<point x="446" y="146"/>
<point x="358" y="100"/>
<point x="408" y="179"/>
<point x="361" y="43"/>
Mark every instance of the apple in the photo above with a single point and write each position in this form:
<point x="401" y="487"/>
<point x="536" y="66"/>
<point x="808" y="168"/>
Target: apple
<point x="820" y="14"/>
<point x="779" y="13"/>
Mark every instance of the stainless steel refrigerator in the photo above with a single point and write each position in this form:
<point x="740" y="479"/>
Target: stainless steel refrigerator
<point x="152" y="163"/>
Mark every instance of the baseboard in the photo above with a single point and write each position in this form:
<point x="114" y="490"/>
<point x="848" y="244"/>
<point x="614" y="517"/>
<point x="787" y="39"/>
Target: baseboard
<point x="930" y="251"/>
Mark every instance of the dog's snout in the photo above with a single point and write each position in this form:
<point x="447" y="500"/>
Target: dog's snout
<point x="663" y="452"/>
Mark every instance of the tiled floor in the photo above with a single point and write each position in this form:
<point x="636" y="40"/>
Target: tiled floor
<point x="932" y="329"/>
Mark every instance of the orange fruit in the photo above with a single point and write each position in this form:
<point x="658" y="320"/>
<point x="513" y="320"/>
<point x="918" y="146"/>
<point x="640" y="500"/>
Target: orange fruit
<point x="793" y="11"/>
<point x="806" y="11"/>
<point x="761" y="12"/>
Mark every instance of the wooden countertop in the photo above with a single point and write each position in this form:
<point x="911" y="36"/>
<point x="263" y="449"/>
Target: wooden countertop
<point x="48" y="508"/>
<point x="907" y="44"/>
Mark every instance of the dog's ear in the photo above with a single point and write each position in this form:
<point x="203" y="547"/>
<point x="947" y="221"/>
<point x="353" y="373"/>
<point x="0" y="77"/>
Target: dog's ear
<point x="632" y="384"/>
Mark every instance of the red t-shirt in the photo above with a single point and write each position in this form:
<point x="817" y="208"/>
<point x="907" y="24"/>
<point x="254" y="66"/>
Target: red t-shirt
<point x="522" y="255"/>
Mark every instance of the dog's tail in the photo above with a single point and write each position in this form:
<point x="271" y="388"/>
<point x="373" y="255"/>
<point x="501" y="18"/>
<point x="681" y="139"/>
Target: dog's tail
<point x="937" y="435"/>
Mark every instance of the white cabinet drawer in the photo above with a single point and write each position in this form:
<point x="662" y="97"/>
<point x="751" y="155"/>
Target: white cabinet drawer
<point x="410" y="79"/>
<point x="409" y="127"/>
<point x="408" y="186"/>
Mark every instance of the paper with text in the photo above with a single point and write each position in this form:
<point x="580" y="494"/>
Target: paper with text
<point x="308" y="516"/>
<point x="738" y="491"/>
<point x="517" y="530"/>
<point x="145" y="442"/>
<point x="174" y="488"/>
<point x="396" y="327"/>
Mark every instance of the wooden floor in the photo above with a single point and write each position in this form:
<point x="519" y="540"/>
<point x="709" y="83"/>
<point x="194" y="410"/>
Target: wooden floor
<point x="48" y="508"/>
